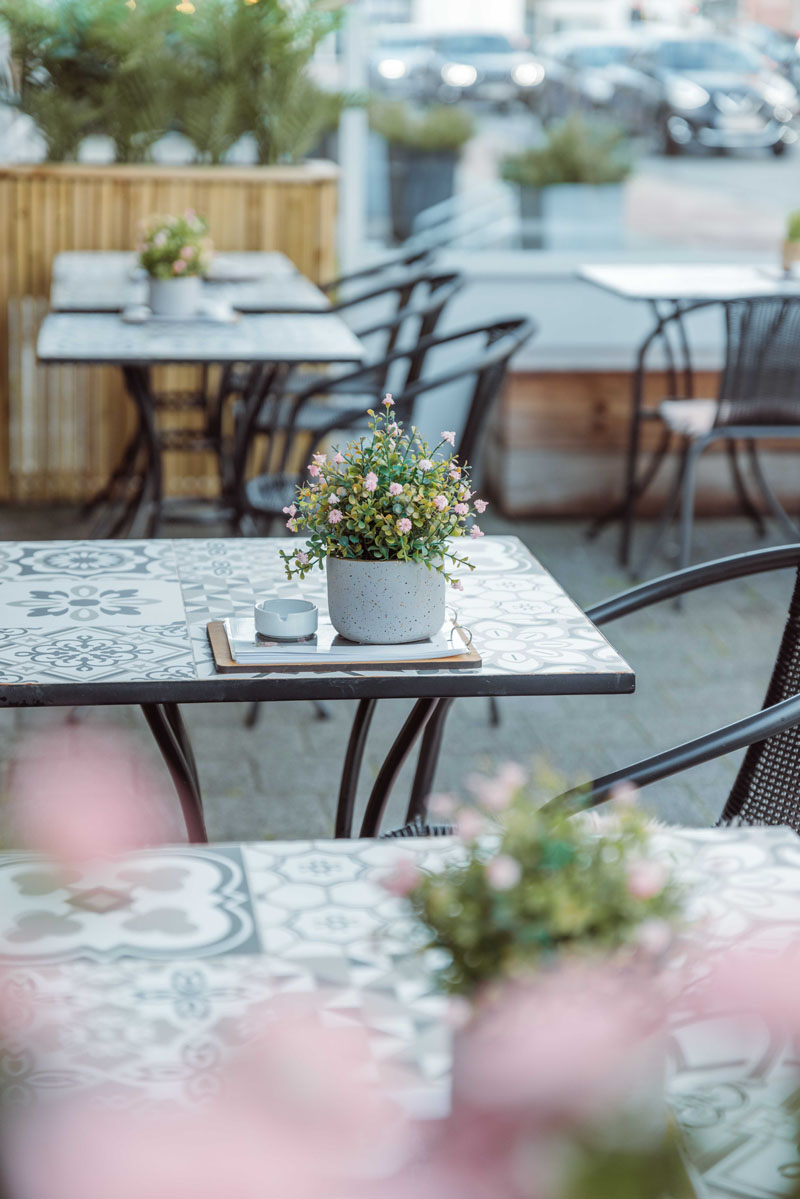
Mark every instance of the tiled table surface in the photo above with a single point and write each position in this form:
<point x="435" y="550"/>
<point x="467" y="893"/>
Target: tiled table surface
<point x="148" y="973"/>
<point x="129" y="619"/>
<point x="107" y="281"/>
<point x="690" y="281"/>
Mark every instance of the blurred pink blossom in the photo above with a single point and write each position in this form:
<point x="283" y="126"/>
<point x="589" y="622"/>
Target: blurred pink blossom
<point x="178" y="266"/>
<point x="403" y="877"/>
<point x="625" y="794"/>
<point x="371" y="481"/>
<point x="334" y="516"/>
<point x="313" y="470"/>
<point x="469" y="824"/>
<point x="457" y="585"/>
<point x="449" y="436"/>
<point x="404" y="525"/>
<point x="425" y="464"/>
<point x="503" y="872"/>
<point x="475" y="532"/>
<point x="302" y="557"/>
<point x="646" y="878"/>
<point x="462" y="509"/>
<point x="338" y="458"/>
<point x="320" y="459"/>
<point x="440" y="502"/>
<point x="388" y="402"/>
<point x="395" y="489"/>
<point x="442" y="805"/>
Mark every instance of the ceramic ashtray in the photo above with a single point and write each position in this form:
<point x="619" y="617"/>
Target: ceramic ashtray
<point x="285" y="619"/>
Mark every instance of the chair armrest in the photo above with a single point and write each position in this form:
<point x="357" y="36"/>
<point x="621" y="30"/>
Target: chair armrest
<point x="758" y="727"/>
<point x="680" y="582"/>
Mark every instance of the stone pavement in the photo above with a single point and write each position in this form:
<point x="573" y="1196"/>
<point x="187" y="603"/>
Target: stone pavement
<point x="696" y="670"/>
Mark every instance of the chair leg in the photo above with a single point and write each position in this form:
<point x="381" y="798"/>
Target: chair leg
<point x="687" y="502"/>
<point x="787" y="525"/>
<point x="745" y="499"/>
<point x="666" y="518"/>
<point x="253" y="715"/>
<point x="494" y="712"/>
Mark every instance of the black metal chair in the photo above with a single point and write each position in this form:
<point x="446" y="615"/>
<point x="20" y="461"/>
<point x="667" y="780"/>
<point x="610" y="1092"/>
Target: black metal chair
<point x="758" y="398"/>
<point x="767" y="786"/>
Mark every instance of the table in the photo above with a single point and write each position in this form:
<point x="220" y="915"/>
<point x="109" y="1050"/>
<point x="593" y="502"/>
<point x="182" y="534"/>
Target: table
<point x="108" y="281"/>
<point x="124" y="622"/>
<point x="266" y="342"/>
<point x="671" y="289"/>
<point x="139" y="973"/>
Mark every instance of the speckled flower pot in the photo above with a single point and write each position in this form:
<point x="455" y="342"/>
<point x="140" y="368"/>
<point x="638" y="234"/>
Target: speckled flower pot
<point x="384" y="603"/>
<point x="176" y="298"/>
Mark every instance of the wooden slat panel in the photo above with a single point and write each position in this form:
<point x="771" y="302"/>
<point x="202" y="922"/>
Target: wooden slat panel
<point x="62" y="429"/>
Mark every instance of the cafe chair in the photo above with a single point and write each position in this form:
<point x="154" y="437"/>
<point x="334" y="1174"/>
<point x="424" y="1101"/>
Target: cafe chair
<point x="758" y="399"/>
<point x="767" y="788"/>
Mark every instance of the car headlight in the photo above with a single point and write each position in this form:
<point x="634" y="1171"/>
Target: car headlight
<point x="682" y="93"/>
<point x="528" y="74"/>
<point x="598" y="90"/>
<point x="778" y="93"/>
<point x="392" y="68"/>
<point x="459" y="74"/>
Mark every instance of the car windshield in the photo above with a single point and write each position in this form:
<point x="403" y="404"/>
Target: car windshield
<point x="707" y="56"/>
<point x="598" y="56"/>
<point x="462" y="47"/>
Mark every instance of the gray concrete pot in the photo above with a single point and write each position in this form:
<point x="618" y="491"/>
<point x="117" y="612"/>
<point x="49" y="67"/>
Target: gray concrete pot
<point x="384" y="603"/>
<point x="177" y="298"/>
<point x="573" y="216"/>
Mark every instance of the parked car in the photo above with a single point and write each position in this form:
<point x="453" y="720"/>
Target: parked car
<point x="583" y="71"/>
<point x="781" y="47"/>
<point x="485" y="66"/>
<point x="707" y="91"/>
<point x="403" y="63"/>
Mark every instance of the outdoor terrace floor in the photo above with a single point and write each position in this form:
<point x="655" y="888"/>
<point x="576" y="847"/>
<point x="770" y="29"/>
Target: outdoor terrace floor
<point x="696" y="670"/>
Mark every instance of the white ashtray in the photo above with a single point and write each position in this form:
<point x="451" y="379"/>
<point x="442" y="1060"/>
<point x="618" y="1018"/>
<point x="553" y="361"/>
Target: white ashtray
<point x="285" y="619"/>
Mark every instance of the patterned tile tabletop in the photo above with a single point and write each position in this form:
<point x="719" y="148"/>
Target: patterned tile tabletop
<point x="125" y="613"/>
<point x="253" y="282"/>
<point x="100" y="337"/>
<point x="136" y="983"/>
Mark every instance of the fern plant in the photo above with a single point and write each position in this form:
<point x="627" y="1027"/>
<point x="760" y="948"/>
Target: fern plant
<point x="576" y="151"/>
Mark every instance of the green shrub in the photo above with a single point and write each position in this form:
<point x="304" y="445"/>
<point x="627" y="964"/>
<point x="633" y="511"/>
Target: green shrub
<point x="576" y="151"/>
<point x="793" y="226"/>
<point x="442" y="127"/>
<point x="132" y="73"/>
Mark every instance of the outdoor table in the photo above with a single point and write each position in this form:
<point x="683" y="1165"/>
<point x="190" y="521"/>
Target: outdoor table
<point x="124" y="622"/>
<point x="268" y="341"/>
<point x="137" y="973"/>
<point x="108" y="281"/>
<point x="671" y="289"/>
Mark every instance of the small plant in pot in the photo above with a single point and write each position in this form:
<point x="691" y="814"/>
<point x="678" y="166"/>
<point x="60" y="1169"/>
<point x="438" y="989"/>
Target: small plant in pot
<point x="571" y="187"/>
<point x="382" y="515"/>
<point x="791" y="246"/>
<point x="175" y="251"/>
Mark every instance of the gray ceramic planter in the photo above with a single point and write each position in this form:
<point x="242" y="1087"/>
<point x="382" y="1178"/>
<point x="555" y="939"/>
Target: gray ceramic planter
<point x="384" y="603"/>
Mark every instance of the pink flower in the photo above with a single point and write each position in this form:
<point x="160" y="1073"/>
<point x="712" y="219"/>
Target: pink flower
<point x="334" y="516"/>
<point x="457" y="585"/>
<point x="291" y="524"/>
<point x="403" y="878"/>
<point x="320" y="459"/>
<point x="404" y="525"/>
<point x="653" y="937"/>
<point x="441" y="805"/>
<point x="291" y="510"/>
<point x="188" y="252"/>
<point x="339" y="458"/>
<point x="495" y="794"/>
<point x="469" y="824"/>
<point x="455" y="471"/>
<point x="646" y="878"/>
<point x="475" y="532"/>
<point x="503" y="872"/>
<point x="448" y="436"/>
<point x="440" y="502"/>
<point x="425" y="464"/>
<point x="481" y="505"/>
<point x="371" y="481"/>
<point x="395" y="489"/>
<point x="388" y="402"/>
<point x="313" y="470"/>
<point x="625" y="795"/>
<point x="461" y="509"/>
<point x="302" y="557"/>
<point x="178" y="267"/>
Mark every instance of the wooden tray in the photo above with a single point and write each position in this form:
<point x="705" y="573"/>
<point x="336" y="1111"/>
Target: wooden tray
<point x="224" y="663"/>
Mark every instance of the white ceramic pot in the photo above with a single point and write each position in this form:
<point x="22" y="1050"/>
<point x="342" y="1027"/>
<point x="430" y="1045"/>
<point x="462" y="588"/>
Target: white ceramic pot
<point x="384" y="603"/>
<point x="178" y="298"/>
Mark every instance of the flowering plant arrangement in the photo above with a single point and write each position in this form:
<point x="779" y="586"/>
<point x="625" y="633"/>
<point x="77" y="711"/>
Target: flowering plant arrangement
<point x="389" y="498"/>
<point x="533" y="884"/>
<point x="174" y="247"/>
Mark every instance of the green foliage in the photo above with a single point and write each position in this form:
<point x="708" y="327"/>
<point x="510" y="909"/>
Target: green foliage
<point x="561" y="886"/>
<point x="793" y="226"/>
<point x="172" y="247"/>
<point x="576" y="151"/>
<point x="135" y="70"/>
<point x="388" y="498"/>
<point x="441" y="128"/>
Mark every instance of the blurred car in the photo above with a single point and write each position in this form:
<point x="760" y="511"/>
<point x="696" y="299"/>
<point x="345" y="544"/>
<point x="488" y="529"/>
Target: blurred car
<point x="583" y="71"/>
<point x="485" y="66"/>
<point x="403" y="63"/>
<point x="707" y="91"/>
<point x="776" y="44"/>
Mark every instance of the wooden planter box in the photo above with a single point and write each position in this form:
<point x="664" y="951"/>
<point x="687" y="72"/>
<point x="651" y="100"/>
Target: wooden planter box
<point x="556" y="447"/>
<point x="61" y="429"/>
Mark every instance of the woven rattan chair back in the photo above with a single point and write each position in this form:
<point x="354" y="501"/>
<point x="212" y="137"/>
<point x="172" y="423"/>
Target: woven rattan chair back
<point x="767" y="787"/>
<point x="760" y="382"/>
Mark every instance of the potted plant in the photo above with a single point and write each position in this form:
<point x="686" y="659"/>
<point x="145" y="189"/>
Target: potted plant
<point x="538" y="886"/>
<point x="382" y="514"/>
<point x="571" y="188"/>
<point x="791" y="245"/>
<point x="175" y="251"/>
<point x="424" y="149"/>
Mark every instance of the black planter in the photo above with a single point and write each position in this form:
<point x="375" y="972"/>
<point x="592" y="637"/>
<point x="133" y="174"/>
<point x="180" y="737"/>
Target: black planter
<point x="417" y="180"/>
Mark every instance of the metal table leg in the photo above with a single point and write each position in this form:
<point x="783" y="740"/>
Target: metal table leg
<point x="172" y="739"/>
<point x="404" y="743"/>
<point x="427" y="763"/>
<point x="352" y="767"/>
<point x="137" y="383"/>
